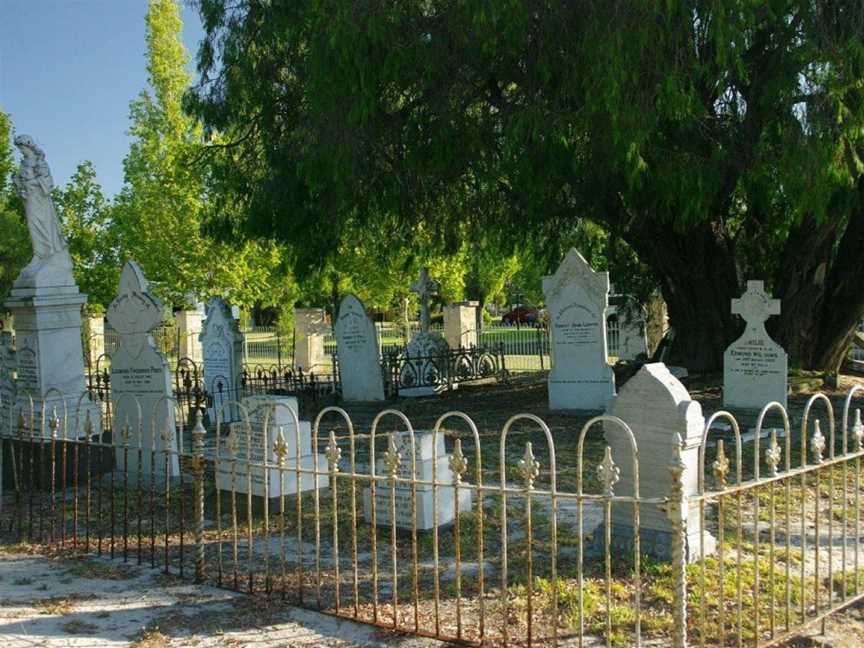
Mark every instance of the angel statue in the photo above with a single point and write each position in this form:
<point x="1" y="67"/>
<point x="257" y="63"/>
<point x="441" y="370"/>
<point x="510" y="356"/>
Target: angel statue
<point x="51" y="264"/>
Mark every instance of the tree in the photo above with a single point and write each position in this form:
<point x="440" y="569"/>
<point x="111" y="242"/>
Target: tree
<point x="86" y="219"/>
<point x="719" y="141"/>
<point x="15" y="250"/>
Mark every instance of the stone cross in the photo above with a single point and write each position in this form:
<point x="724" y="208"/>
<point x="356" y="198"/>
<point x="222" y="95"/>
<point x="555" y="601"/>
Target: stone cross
<point x="424" y="287"/>
<point x="755" y="305"/>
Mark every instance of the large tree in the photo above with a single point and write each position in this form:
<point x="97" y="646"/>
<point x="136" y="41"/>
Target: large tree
<point x="719" y="139"/>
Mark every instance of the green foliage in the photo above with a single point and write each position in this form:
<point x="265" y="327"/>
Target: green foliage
<point x="15" y="248"/>
<point x="86" y="219"/>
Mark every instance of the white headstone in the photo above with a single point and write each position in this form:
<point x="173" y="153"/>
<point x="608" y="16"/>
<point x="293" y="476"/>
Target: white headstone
<point x="357" y="346"/>
<point x="460" y="324"/>
<point x="188" y="334"/>
<point x="243" y="452"/>
<point x="425" y="458"/>
<point x="222" y="347"/>
<point x="427" y="351"/>
<point x="661" y="414"/>
<point x="577" y="298"/>
<point x="754" y="365"/>
<point x="140" y="373"/>
<point x="310" y="326"/>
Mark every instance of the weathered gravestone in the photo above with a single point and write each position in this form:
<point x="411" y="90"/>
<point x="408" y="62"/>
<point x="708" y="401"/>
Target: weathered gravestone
<point x="46" y="306"/>
<point x="7" y="385"/>
<point x="140" y="377"/>
<point x="426" y="356"/>
<point x="188" y="334"/>
<point x="310" y="326"/>
<point x="222" y="348"/>
<point x="577" y="299"/>
<point x="661" y="414"/>
<point x="754" y="365"/>
<point x="240" y="466"/>
<point x="460" y="324"/>
<point x="425" y="454"/>
<point x="357" y="347"/>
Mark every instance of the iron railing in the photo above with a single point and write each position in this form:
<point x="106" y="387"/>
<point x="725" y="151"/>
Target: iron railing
<point x="455" y="534"/>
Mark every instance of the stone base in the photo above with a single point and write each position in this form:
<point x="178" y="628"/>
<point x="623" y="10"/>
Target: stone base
<point x="581" y="394"/>
<point x="652" y="542"/>
<point x="418" y="392"/>
<point x="425" y="509"/>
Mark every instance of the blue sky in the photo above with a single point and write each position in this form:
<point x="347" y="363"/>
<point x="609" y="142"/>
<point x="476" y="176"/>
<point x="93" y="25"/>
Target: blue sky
<point x="68" y="70"/>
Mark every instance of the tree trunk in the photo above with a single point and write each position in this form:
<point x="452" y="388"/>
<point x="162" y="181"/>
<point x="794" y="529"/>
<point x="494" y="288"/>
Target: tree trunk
<point x="696" y="270"/>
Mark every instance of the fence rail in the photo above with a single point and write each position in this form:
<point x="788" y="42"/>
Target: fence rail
<point x="461" y="536"/>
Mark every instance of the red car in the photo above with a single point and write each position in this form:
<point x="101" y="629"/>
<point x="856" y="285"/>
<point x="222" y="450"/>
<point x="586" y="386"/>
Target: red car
<point x="521" y="315"/>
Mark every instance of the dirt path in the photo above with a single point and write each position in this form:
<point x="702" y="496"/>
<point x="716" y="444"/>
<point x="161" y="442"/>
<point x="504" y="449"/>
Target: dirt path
<point x="95" y="603"/>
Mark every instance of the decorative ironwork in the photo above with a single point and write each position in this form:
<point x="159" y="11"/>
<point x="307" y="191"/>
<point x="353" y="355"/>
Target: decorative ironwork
<point x="443" y="371"/>
<point x="392" y="457"/>
<point x="720" y="467"/>
<point x="528" y="467"/>
<point x="858" y="431"/>
<point x="280" y="449"/>
<point x="817" y="443"/>
<point x="333" y="453"/>
<point x="773" y="454"/>
<point x="608" y="473"/>
<point x="458" y="463"/>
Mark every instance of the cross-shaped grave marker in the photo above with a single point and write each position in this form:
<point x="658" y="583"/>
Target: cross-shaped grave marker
<point x="755" y="305"/>
<point x="425" y="288"/>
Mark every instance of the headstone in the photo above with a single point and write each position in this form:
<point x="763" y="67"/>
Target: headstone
<point x="427" y="351"/>
<point x="95" y="340"/>
<point x="357" y="347"/>
<point x="222" y="347"/>
<point x="46" y="306"/>
<point x="140" y="376"/>
<point x="7" y="385"/>
<point x="577" y="298"/>
<point x="424" y="457"/>
<point x="754" y="365"/>
<point x="661" y="414"/>
<point x="243" y="452"/>
<point x="188" y="335"/>
<point x="460" y="324"/>
<point x="310" y="326"/>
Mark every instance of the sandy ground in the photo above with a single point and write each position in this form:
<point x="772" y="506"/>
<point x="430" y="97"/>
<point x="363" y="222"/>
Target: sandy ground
<point x="95" y="603"/>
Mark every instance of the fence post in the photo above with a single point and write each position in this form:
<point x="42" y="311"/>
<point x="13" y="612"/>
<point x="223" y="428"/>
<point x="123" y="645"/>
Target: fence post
<point x="198" y="433"/>
<point x="676" y="510"/>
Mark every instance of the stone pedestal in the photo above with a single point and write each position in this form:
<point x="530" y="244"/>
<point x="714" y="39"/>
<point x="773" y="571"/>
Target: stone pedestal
<point x="50" y="359"/>
<point x="659" y="411"/>
<point x="7" y="385"/>
<point x="310" y="326"/>
<point x="188" y="333"/>
<point x="460" y="324"/>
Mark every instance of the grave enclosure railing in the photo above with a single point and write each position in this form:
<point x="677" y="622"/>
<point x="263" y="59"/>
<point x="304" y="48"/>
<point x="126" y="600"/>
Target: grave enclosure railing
<point x="515" y="565"/>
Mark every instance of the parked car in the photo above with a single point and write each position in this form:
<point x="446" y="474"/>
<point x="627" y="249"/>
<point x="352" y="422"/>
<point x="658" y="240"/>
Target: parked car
<point x="521" y="315"/>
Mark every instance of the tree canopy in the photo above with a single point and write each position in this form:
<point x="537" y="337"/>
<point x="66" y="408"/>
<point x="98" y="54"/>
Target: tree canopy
<point x="712" y="141"/>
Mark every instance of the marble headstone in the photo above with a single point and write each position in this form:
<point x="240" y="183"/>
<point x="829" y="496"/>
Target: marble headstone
<point x="460" y="324"/>
<point x="577" y="299"/>
<point x="661" y="414"/>
<point x="140" y="376"/>
<point x="754" y="365"/>
<point x="222" y="348"/>
<point x="425" y="458"/>
<point x="357" y="347"/>
<point x="244" y="450"/>
<point x="310" y="326"/>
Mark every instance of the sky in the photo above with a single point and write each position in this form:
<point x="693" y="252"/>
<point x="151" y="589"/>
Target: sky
<point x="68" y="70"/>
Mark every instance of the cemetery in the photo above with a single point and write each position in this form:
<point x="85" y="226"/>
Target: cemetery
<point x="503" y="328"/>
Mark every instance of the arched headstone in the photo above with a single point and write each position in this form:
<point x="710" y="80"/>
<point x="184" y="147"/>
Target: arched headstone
<point x="357" y="347"/>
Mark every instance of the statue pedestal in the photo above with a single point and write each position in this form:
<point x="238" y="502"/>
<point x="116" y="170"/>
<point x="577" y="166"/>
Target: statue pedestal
<point x="50" y="361"/>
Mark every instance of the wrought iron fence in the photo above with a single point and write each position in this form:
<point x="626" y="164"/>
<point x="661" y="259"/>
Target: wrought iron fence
<point x="443" y="371"/>
<point x="418" y="531"/>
